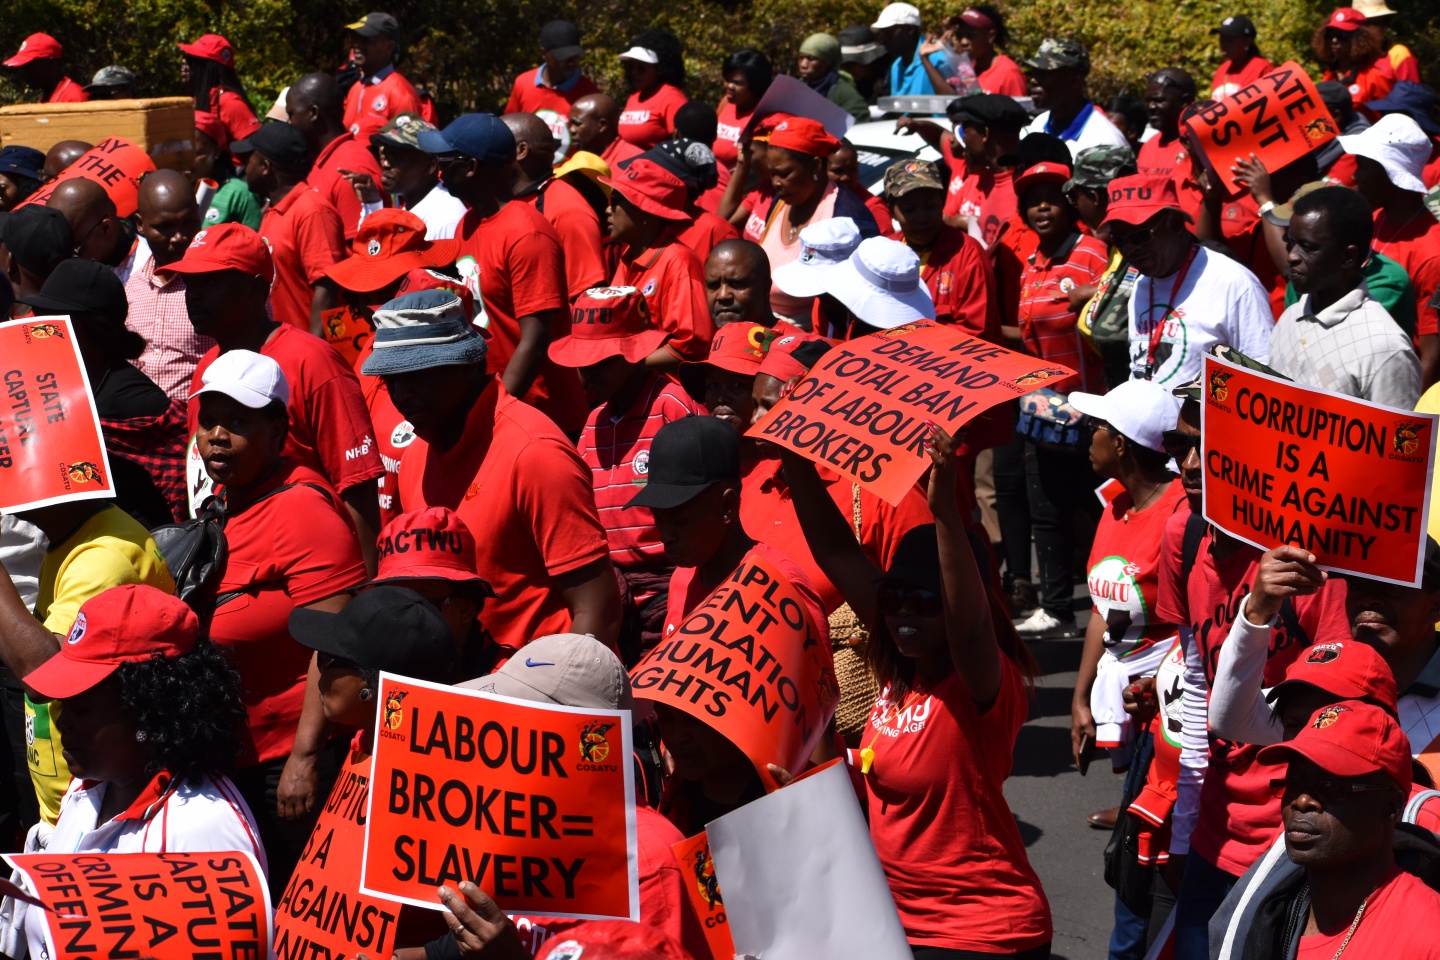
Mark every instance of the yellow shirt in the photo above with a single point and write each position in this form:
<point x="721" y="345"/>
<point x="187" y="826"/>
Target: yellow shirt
<point x="1429" y="402"/>
<point x="109" y="549"/>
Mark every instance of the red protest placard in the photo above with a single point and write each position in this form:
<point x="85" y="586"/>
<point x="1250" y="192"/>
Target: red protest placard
<point x="323" y="912"/>
<point x="861" y="410"/>
<point x="749" y="663"/>
<point x="116" y="164"/>
<point x="347" y="331"/>
<point x="1345" y="479"/>
<point x="1279" y="118"/>
<point x="698" y="872"/>
<point x="165" y="906"/>
<point x="534" y="804"/>
<point x="51" y="450"/>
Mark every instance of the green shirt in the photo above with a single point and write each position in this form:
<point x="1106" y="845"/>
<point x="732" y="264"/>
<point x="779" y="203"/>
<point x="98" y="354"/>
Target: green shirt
<point x="1389" y="286"/>
<point x="844" y="95"/>
<point x="234" y="203"/>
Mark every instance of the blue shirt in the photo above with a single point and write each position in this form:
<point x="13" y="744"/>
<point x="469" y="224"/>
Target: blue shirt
<point x="909" y="79"/>
<point x="567" y="85"/>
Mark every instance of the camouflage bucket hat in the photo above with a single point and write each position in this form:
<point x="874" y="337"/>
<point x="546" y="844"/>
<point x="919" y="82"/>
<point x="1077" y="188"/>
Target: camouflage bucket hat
<point x="404" y="132"/>
<point x="1096" y="167"/>
<point x="1056" y="54"/>
<point x="909" y="175"/>
<point x="1194" y="390"/>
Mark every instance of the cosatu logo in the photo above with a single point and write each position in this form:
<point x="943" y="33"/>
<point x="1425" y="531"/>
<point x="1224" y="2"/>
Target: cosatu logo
<point x="705" y="881"/>
<point x="44" y="331"/>
<point x="1037" y="377"/>
<point x="1407" y="436"/>
<point x="394" y="716"/>
<point x="594" y="744"/>
<point x="1218" y="389"/>
<point x="83" y="472"/>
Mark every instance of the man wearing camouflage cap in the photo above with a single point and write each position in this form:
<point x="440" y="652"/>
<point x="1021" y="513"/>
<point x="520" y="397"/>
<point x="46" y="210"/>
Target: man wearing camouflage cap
<point x="411" y="176"/>
<point x="112" y="83"/>
<point x="1105" y="319"/>
<point x="1057" y="85"/>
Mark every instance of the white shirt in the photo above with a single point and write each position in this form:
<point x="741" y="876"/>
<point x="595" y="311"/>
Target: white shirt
<point x="440" y="211"/>
<point x="1219" y="301"/>
<point x="1097" y="131"/>
<point x="1352" y="347"/>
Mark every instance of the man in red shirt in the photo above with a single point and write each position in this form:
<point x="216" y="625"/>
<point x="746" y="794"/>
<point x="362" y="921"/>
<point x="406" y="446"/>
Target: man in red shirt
<point x="316" y="109"/>
<point x="301" y="228"/>
<point x="574" y="219"/>
<point x="381" y="94"/>
<point x="506" y="469"/>
<point x="594" y="127"/>
<point x="38" y="63"/>
<point x="981" y="188"/>
<point x="228" y="272"/>
<point x="1167" y="93"/>
<point x="553" y="87"/>
<point x="511" y="259"/>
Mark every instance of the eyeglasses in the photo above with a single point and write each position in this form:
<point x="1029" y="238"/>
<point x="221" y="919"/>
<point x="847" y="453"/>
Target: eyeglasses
<point x="325" y="661"/>
<point x="1094" y="424"/>
<point x="1178" y="445"/>
<point x="1326" y="791"/>
<point x="895" y="598"/>
<point x="1129" y="241"/>
<point x="83" y="240"/>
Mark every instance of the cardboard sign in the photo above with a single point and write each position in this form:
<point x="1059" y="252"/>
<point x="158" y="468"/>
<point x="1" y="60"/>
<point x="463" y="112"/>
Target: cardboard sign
<point x="749" y="663"/>
<point x="116" y="164"/>
<point x="697" y="869"/>
<point x="1345" y="479"/>
<point x="534" y="804"/>
<point x="166" y="906"/>
<point x="323" y="912"/>
<point x="347" y="331"/>
<point x="788" y="95"/>
<point x="861" y="410"/>
<point x="51" y="449"/>
<point x="1279" y="118"/>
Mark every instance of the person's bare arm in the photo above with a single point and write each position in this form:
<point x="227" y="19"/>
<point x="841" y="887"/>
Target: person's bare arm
<point x="1207" y="226"/>
<point x="326" y="296"/>
<point x="937" y="79"/>
<point x="24" y="642"/>
<point x="593" y="599"/>
<point x="1082" y="721"/>
<point x="831" y="538"/>
<point x="929" y="131"/>
<point x="1252" y="173"/>
<point x="362" y="502"/>
<point x="663" y="360"/>
<point x="1429" y="360"/>
<point x="299" y="789"/>
<point x="524" y="365"/>
<point x="729" y="208"/>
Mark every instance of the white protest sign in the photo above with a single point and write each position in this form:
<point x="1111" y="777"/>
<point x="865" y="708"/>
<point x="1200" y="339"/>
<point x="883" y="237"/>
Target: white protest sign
<point x="788" y="95"/>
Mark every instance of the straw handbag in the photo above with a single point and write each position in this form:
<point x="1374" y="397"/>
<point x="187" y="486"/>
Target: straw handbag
<point x="848" y="637"/>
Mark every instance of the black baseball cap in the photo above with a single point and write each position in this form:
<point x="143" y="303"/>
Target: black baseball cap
<point x="376" y="25"/>
<point x="561" y="39"/>
<point x="1235" y="27"/>
<point x="82" y="286"/>
<point x="385" y="628"/>
<point x="1036" y="148"/>
<point x="38" y="237"/>
<point x="687" y="456"/>
<point x="993" y="111"/>
<point x="278" y="141"/>
<point x="917" y="559"/>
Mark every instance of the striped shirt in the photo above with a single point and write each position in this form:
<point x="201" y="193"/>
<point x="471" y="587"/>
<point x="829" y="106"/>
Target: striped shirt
<point x="1046" y="319"/>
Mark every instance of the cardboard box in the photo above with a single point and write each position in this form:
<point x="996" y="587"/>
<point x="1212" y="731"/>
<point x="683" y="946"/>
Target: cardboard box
<point x="163" y="127"/>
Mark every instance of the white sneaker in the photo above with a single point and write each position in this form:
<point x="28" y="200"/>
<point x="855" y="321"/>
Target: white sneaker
<point x="1039" y="622"/>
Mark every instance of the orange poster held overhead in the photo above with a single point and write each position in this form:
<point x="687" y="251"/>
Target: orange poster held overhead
<point x="698" y="872"/>
<point x="347" y="331"/>
<point x="749" y="663"/>
<point x="1345" y="479"/>
<point x="165" y="906"/>
<point x="51" y="450"/>
<point x="116" y="164"/>
<point x="322" y="912"/>
<point x="534" y="804"/>
<point x="862" y="409"/>
<point x="1279" y="118"/>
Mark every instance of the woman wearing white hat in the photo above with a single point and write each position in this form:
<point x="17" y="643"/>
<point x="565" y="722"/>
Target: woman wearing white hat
<point x="880" y="287"/>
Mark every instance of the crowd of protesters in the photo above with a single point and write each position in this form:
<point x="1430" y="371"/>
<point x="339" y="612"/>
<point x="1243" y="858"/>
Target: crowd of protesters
<point x="355" y="329"/>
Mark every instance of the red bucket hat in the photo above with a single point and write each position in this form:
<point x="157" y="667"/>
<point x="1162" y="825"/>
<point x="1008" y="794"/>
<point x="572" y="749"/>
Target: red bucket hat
<point x="1046" y="172"/>
<point x="652" y="188"/>
<point x="389" y="245"/>
<point x="608" y="322"/>
<point x="211" y="46"/>
<point x="1345" y="669"/>
<point x="803" y="135"/>
<point x="226" y="246"/>
<point x="429" y="544"/>
<point x="737" y="347"/>
<point x="1349" y="739"/>
<point x="37" y="46"/>
<point x="1347" y="19"/>
<point x="1137" y="198"/>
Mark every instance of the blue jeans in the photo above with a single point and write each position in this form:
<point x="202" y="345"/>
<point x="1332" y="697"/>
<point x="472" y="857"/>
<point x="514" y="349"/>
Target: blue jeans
<point x="1127" y="940"/>
<point x="1202" y="889"/>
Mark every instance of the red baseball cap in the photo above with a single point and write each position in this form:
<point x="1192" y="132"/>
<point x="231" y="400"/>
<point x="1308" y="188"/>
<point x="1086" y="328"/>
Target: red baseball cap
<point x="763" y="127"/>
<point x="1345" y="669"/>
<point x="389" y="244"/>
<point x="429" y="544"/>
<point x="1046" y="172"/>
<point x="125" y="624"/>
<point x="211" y="46"/>
<point x="213" y="127"/>
<point x="652" y="188"/>
<point x="1346" y="18"/>
<point x="737" y="347"/>
<point x="226" y="246"/>
<point x="608" y="322"/>
<point x="1349" y="739"/>
<point x="423" y="278"/>
<point x="1139" y="197"/>
<point x="37" y="46"/>
<point x="612" y="940"/>
<point x="803" y="135"/>
<point x="780" y="361"/>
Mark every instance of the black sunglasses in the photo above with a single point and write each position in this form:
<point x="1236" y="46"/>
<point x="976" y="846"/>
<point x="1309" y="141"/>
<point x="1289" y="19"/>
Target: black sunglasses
<point x="1178" y="445"/>
<point x="1129" y="241"/>
<point x="895" y="598"/>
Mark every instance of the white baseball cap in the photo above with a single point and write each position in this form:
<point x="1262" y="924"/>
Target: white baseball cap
<point x="245" y="377"/>
<point x="897" y="15"/>
<point x="1141" y="410"/>
<point x="823" y="245"/>
<point x="880" y="284"/>
<point x="1396" y="143"/>
<point x="643" y="54"/>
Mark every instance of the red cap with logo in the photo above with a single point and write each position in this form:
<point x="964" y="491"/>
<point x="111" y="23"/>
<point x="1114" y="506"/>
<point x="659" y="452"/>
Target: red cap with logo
<point x="226" y="246"/>
<point x="125" y="624"/>
<point x="652" y="188"/>
<point x="780" y="361"/>
<point x="612" y="939"/>
<point x="803" y="135"/>
<point x="37" y="46"/>
<point x="211" y="46"/>
<point x="1345" y="669"/>
<point x="1046" y="172"/>
<point x="389" y="244"/>
<point x="429" y="544"/>
<point x="423" y="278"/>
<point x="608" y="322"/>
<point x="1347" y="19"/>
<point x="1349" y="739"/>
<point x="1137" y="198"/>
<point x="737" y="348"/>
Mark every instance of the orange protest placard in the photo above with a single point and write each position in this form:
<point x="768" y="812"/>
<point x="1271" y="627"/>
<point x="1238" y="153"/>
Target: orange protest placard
<point x="1345" y="479"/>
<point x="165" y="906"/>
<point x="347" y="331"/>
<point x="749" y="663"/>
<point x="1279" y="118"/>
<point x="51" y="450"/>
<point x="862" y="409"/>
<point x="323" y="912"/>
<point x="116" y="164"/>
<point x="534" y="804"/>
<point x="698" y="872"/>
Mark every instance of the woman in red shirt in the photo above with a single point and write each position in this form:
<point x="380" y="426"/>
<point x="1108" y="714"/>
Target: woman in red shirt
<point x="209" y="69"/>
<point x="747" y="76"/>
<point x="655" y="71"/>
<point x="939" y="745"/>
<point x="981" y="32"/>
<point x="1244" y="64"/>
<point x="1354" y="57"/>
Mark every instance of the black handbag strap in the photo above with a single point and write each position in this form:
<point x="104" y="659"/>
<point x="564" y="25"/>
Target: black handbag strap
<point x="229" y="595"/>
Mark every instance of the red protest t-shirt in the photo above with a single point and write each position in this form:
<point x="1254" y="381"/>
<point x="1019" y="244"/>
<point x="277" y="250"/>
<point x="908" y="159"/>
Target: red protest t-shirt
<point x="1003" y="76"/>
<point x="1162" y="156"/>
<point x="1047" y="321"/>
<point x="1124" y="571"/>
<point x="239" y="120"/>
<point x="393" y="434"/>
<point x="758" y="203"/>
<point x="512" y="263"/>
<point x="672" y="280"/>
<point x="330" y="429"/>
<point x="1415" y="245"/>
<point x="956" y="270"/>
<point x="1366" y="84"/>
<point x="1399" y="921"/>
<point x="728" y="124"/>
<point x="306" y="238"/>
<point x="67" y="91"/>
<point x="615" y="445"/>
<point x="984" y="195"/>
<point x="370" y="104"/>
<point x="646" y="121"/>
<point x="345" y="152"/>
<point x="1229" y="81"/>
<point x="767" y="512"/>
<point x="705" y="233"/>
<point x="949" y="845"/>
<point x="687" y="592"/>
<point x="287" y="551"/>
<point x="527" y="498"/>
<point x="580" y="231"/>
<point x="1239" y="815"/>
<point x="618" y="152"/>
<point x="528" y="95"/>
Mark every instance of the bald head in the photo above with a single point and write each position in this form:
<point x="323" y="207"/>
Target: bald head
<point x="169" y="215"/>
<point x="593" y="122"/>
<point x="535" y="146"/>
<point x="737" y="283"/>
<point x="91" y="214"/>
<point x="319" y="90"/>
<point x="60" y="156"/>
<point x="316" y="108"/>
